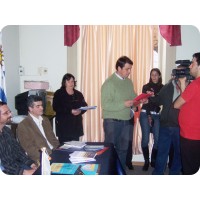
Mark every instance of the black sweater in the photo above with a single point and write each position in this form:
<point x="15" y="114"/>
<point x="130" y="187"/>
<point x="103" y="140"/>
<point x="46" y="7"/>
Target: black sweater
<point x="151" y="106"/>
<point x="169" y="115"/>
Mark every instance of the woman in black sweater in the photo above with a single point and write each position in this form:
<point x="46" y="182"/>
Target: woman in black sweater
<point x="66" y="104"/>
<point x="150" y="118"/>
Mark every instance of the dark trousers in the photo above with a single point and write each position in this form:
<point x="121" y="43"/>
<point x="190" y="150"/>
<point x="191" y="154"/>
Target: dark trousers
<point x="190" y="155"/>
<point x="117" y="132"/>
<point x="129" y="154"/>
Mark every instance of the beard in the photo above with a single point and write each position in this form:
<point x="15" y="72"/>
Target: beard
<point x="9" y="119"/>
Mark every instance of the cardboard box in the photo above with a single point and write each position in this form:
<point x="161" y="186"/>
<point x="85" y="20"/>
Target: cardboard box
<point x="35" y="85"/>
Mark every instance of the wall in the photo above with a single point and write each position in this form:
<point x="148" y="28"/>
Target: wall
<point x="190" y="43"/>
<point x="10" y="40"/>
<point x="33" y="48"/>
<point x="42" y="47"/>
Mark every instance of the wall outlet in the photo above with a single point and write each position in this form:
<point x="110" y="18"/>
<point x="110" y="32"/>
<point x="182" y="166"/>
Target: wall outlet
<point x="21" y="71"/>
<point x="43" y="71"/>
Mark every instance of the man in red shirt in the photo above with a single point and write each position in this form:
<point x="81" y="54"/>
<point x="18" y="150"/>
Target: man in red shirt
<point x="189" y="105"/>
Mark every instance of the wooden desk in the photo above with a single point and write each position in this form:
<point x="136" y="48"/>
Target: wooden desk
<point x="109" y="161"/>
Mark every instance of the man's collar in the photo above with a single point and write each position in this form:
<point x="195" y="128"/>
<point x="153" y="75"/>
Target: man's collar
<point x="35" y="118"/>
<point x="119" y="76"/>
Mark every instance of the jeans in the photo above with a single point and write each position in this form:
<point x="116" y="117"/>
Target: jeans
<point x="117" y="132"/>
<point x="168" y="136"/>
<point x="146" y="129"/>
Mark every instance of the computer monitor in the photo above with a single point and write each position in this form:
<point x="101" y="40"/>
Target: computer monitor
<point x="21" y="100"/>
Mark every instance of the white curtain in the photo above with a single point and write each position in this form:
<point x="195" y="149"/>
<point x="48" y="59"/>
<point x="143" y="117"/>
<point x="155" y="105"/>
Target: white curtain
<point x="101" y="46"/>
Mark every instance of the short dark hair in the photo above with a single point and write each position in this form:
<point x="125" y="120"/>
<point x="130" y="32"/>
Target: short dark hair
<point x="31" y="99"/>
<point x="197" y="56"/>
<point x="122" y="61"/>
<point x="67" y="76"/>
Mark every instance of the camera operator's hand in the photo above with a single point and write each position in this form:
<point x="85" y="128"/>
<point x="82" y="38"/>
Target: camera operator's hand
<point x="183" y="83"/>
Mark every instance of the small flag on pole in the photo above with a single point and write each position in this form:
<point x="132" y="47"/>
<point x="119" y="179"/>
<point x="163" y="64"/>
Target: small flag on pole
<point x="45" y="163"/>
<point x="2" y="74"/>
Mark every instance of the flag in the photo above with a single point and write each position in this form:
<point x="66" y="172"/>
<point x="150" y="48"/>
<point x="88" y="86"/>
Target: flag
<point x="2" y="74"/>
<point x="172" y="34"/>
<point x="71" y="34"/>
<point x="45" y="163"/>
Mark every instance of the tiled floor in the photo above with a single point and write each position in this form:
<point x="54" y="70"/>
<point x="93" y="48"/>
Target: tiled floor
<point x="138" y="170"/>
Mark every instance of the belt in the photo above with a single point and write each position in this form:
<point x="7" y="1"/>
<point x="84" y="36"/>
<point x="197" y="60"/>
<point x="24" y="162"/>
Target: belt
<point x="119" y="120"/>
<point x="152" y="112"/>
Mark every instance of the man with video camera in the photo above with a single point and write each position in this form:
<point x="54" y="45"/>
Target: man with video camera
<point x="169" y="133"/>
<point x="188" y="103"/>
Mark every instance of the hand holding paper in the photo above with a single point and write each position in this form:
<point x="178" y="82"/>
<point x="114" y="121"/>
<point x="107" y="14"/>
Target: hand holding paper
<point x="88" y="108"/>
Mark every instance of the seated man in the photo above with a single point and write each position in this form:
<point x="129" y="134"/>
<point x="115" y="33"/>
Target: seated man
<point x="35" y="131"/>
<point x="13" y="159"/>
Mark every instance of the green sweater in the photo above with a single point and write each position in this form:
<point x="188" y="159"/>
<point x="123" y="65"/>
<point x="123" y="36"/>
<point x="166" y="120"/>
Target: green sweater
<point x="114" y="92"/>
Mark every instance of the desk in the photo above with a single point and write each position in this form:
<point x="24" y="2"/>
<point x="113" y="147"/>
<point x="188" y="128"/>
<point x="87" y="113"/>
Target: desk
<point x="109" y="161"/>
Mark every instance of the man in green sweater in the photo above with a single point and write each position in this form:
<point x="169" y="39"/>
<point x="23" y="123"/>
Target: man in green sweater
<point x="117" y="96"/>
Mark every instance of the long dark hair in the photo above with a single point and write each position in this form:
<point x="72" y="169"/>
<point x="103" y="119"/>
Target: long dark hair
<point x="67" y="77"/>
<point x="160" y="78"/>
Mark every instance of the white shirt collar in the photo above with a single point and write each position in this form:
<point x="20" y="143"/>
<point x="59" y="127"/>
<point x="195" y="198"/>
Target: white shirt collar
<point x="37" y="120"/>
<point x="119" y="76"/>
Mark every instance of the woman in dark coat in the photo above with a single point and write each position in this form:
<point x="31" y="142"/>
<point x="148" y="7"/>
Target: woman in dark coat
<point x="66" y="104"/>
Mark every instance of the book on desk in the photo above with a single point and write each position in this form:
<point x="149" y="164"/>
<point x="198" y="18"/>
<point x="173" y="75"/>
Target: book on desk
<point x="75" y="169"/>
<point x="73" y="144"/>
<point x="82" y="156"/>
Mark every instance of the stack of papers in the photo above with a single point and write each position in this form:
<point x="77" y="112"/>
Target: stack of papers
<point x="73" y="144"/>
<point x="93" y="147"/>
<point x="82" y="156"/>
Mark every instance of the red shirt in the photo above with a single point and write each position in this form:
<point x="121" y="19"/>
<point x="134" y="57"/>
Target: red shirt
<point x="189" y="116"/>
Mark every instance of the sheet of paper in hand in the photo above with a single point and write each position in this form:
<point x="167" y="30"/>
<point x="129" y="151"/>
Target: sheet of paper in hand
<point x="88" y="108"/>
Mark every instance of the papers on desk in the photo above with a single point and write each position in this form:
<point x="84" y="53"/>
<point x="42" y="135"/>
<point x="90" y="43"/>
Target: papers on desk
<point x="73" y="144"/>
<point x="77" y="169"/>
<point x="93" y="147"/>
<point x="88" y="108"/>
<point x="82" y="156"/>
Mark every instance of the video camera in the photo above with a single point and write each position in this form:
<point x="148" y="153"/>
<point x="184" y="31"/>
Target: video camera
<point x="182" y="70"/>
